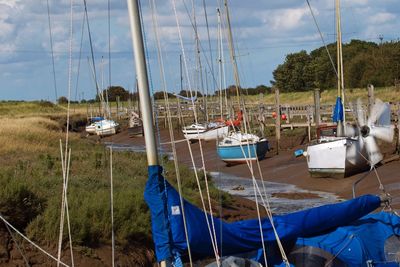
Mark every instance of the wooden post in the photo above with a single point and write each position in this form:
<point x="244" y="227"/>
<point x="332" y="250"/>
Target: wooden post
<point x="371" y="97"/>
<point x="309" y="123"/>
<point x="397" y="123"/>
<point x="317" y="107"/>
<point x="277" y="120"/>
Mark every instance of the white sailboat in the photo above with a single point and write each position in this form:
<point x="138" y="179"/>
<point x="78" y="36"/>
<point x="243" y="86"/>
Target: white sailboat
<point x="352" y="149"/>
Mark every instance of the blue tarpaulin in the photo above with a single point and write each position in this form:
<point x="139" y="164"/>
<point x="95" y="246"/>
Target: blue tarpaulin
<point x="338" y="111"/>
<point x="359" y="242"/>
<point x="237" y="237"/>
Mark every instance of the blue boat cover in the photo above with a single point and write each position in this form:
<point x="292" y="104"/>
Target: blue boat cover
<point x="237" y="237"/>
<point x="359" y="242"/>
<point x="94" y="119"/>
<point x="338" y="111"/>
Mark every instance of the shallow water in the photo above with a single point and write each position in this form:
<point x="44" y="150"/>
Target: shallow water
<point x="228" y="183"/>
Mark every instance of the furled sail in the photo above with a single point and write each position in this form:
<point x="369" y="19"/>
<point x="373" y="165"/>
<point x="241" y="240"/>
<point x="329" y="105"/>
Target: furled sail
<point x="237" y="237"/>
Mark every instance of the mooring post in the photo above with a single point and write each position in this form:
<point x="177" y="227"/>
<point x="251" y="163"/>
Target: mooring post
<point x="309" y="123"/>
<point x="317" y="108"/>
<point x="277" y="120"/>
<point x="371" y="97"/>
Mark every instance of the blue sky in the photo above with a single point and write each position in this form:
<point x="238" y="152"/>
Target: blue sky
<point x="264" y="32"/>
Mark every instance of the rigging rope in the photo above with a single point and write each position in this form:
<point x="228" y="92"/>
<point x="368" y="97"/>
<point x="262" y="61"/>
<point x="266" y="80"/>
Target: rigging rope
<point x="164" y="85"/>
<point x="112" y="208"/>
<point x="80" y="57"/>
<point x="16" y="243"/>
<point x="52" y="51"/>
<point x="322" y="38"/>
<point x="211" y="230"/>
<point x="31" y="242"/>
<point x="65" y="162"/>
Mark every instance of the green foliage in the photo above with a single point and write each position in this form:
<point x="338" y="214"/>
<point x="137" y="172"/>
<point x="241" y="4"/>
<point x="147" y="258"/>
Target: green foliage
<point x="160" y="95"/>
<point x="117" y="91"/>
<point x="364" y="63"/>
<point x="62" y="100"/>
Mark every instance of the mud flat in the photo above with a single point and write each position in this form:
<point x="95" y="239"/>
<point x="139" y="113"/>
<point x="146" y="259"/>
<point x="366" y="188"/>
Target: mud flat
<point x="283" y="169"/>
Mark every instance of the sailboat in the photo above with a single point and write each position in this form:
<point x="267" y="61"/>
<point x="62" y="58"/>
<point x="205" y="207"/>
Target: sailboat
<point x="342" y="232"/>
<point x="239" y="146"/>
<point x="350" y="151"/>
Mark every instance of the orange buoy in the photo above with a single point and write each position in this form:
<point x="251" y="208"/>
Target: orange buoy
<point x="274" y="114"/>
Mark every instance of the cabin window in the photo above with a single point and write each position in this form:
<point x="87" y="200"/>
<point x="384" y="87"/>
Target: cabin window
<point x="228" y="142"/>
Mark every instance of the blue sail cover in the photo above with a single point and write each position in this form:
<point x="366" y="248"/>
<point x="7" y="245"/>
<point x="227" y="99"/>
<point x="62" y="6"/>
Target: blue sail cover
<point x="338" y="111"/>
<point x="237" y="237"/>
<point x="360" y="241"/>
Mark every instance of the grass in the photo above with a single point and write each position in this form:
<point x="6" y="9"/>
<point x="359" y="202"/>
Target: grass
<point x="31" y="184"/>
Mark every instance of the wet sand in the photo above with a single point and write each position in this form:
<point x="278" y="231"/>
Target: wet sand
<point x="282" y="168"/>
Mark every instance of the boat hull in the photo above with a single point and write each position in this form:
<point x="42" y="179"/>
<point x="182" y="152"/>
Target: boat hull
<point x="106" y="127"/>
<point x="235" y="154"/>
<point x="337" y="158"/>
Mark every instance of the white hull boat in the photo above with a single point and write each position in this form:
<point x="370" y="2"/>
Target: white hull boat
<point x="91" y="129"/>
<point x="336" y="157"/>
<point x="106" y="127"/>
<point x="212" y="131"/>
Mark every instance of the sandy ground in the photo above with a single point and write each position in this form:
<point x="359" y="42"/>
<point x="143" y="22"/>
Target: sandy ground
<point x="284" y="167"/>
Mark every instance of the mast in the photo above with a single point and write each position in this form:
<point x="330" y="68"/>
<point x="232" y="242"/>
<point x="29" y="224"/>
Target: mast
<point x="143" y="83"/>
<point x="340" y="80"/>
<point x="145" y="101"/>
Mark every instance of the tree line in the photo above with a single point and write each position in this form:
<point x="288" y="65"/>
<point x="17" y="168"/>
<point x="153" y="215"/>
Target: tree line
<point x="364" y="63"/>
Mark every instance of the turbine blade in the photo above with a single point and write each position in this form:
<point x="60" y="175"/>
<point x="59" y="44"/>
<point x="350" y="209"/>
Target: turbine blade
<point x="377" y="110"/>
<point x="373" y="151"/>
<point x="360" y="113"/>
<point x="383" y="133"/>
<point x="350" y="130"/>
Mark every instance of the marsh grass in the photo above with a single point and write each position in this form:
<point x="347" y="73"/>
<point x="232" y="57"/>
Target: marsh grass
<point x="388" y="94"/>
<point x="31" y="185"/>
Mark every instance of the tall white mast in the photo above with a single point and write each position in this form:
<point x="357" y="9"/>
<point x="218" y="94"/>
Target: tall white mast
<point x="143" y="83"/>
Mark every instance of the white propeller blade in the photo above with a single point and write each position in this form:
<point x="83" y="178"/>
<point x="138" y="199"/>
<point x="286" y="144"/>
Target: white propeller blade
<point x="373" y="151"/>
<point x="360" y="113"/>
<point x="350" y="130"/>
<point x="383" y="133"/>
<point x="377" y="110"/>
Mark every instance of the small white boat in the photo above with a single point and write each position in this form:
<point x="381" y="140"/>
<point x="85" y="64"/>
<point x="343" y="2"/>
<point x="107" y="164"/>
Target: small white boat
<point x="206" y="132"/>
<point x="336" y="157"/>
<point x="239" y="147"/>
<point x="91" y="128"/>
<point x="106" y="127"/>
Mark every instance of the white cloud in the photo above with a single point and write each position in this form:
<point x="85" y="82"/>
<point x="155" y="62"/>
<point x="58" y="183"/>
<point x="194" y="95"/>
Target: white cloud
<point x="382" y="17"/>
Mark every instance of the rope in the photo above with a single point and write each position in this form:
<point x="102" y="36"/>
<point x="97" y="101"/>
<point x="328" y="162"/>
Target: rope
<point x="211" y="231"/>
<point x="52" y="52"/>
<point x="80" y="57"/>
<point x="112" y="209"/>
<point x="16" y="243"/>
<point x="31" y="242"/>
<point x="322" y="38"/>
<point x="163" y="81"/>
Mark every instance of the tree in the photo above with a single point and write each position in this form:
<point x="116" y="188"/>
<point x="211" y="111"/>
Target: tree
<point x="114" y="92"/>
<point x="294" y="74"/>
<point x="62" y="100"/>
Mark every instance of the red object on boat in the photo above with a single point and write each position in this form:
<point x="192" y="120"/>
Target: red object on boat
<point x="237" y="121"/>
<point x="283" y="117"/>
<point x="274" y="115"/>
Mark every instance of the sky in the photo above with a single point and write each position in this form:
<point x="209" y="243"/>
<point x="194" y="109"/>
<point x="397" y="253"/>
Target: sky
<point x="264" y="32"/>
